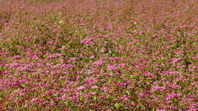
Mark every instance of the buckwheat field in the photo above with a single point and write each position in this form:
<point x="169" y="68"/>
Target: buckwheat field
<point x="98" y="55"/>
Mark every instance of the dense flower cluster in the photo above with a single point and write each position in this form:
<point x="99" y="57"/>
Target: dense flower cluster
<point x="91" y="55"/>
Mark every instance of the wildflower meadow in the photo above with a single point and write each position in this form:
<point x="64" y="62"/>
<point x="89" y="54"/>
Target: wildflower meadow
<point x="98" y="55"/>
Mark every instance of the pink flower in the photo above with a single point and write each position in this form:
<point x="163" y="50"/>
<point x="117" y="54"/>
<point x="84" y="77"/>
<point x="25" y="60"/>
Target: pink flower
<point x="51" y="91"/>
<point x="37" y="100"/>
<point x="132" y="103"/>
<point x="21" y="69"/>
<point x="94" y="87"/>
<point x="173" y="72"/>
<point x="92" y="57"/>
<point x="172" y="95"/>
<point x="148" y="74"/>
<point x="161" y="110"/>
<point x="16" y="57"/>
<point x="54" y="55"/>
<point x="80" y="88"/>
<point x="157" y="88"/>
<point x="87" y="41"/>
<point x="13" y="65"/>
<point x="176" y="60"/>
<point x="71" y="59"/>
<point x="98" y="63"/>
<point x="111" y="67"/>
<point x="125" y="98"/>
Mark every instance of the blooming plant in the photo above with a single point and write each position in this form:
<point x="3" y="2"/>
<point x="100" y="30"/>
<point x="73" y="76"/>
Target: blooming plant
<point x="92" y="55"/>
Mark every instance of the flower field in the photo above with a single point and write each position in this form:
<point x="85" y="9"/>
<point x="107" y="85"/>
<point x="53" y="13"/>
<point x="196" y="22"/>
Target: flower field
<point x="98" y="55"/>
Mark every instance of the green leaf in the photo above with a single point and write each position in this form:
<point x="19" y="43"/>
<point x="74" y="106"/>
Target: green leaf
<point x="134" y="77"/>
<point x="26" y="85"/>
<point x="2" y="95"/>
<point x="117" y="105"/>
<point x="94" y="98"/>
<point x="87" y="71"/>
<point x="175" y="100"/>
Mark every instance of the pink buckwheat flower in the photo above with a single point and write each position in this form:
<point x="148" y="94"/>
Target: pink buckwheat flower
<point x="175" y="60"/>
<point x="98" y="63"/>
<point x="87" y="41"/>
<point x="71" y="59"/>
<point x="132" y="103"/>
<point x="94" y="87"/>
<point x="111" y="67"/>
<point x="80" y="88"/>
